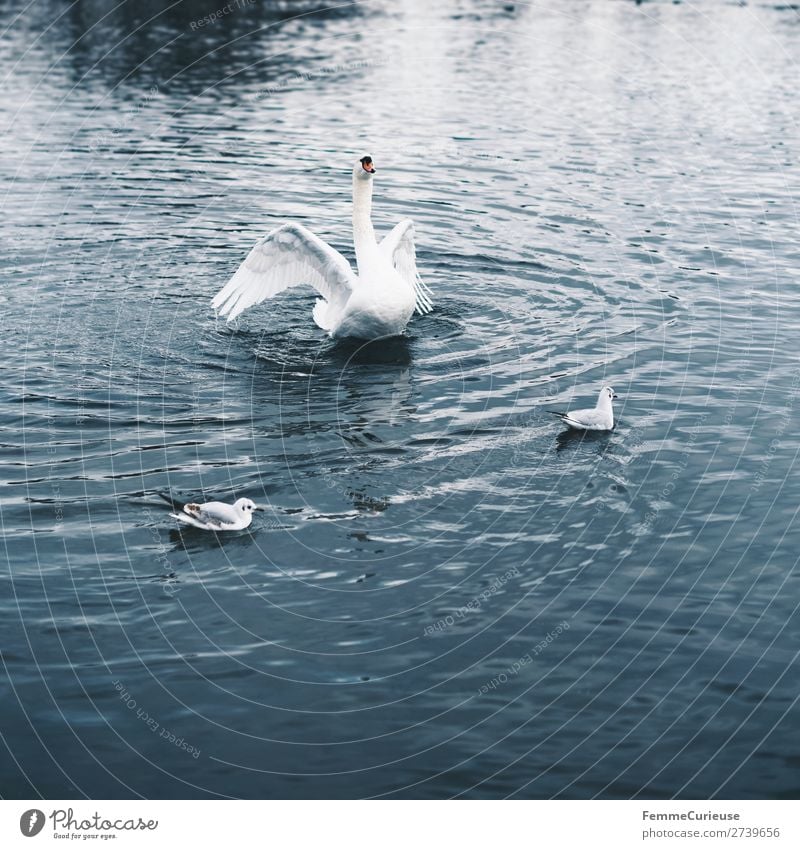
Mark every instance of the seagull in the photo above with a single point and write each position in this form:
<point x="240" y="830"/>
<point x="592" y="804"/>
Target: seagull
<point x="599" y="418"/>
<point x="214" y="515"/>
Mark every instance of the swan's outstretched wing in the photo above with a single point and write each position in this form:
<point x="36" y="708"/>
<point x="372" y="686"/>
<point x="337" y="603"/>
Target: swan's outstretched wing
<point x="286" y="257"/>
<point x="398" y="246"/>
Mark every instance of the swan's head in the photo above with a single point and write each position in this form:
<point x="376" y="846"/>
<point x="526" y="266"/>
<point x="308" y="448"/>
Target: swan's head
<point x="245" y="506"/>
<point x="364" y="169"/>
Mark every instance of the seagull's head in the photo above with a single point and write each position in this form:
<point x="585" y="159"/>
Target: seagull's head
<point x="364" y="169"/>
<point x="245" y="506"/>
<point x="607" y="395"/>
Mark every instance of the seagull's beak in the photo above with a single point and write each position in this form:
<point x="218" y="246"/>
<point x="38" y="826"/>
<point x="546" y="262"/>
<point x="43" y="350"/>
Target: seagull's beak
<point x="615" y="395"/>
<point x="261" y="509"/>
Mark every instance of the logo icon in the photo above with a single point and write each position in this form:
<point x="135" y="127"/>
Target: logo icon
<point x="31" y="822"/>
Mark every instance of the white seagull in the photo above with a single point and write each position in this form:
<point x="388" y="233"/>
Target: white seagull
<point x="376" y="303"/>
<point x="214" y="515"/>
<point x="599" y="418"/>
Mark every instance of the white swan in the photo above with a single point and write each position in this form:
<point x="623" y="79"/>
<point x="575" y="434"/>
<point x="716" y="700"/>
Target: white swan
<point x="373" y="305"/>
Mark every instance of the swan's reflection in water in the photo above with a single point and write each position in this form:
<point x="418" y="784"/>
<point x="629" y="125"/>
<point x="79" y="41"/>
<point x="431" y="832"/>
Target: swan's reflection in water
<point x="377" y="406"/>
<point x="395" y="351"/>
<point x="330" y="420"/>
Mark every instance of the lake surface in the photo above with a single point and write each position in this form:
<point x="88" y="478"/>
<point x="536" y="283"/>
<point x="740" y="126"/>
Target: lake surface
<point x="445" y="596"/>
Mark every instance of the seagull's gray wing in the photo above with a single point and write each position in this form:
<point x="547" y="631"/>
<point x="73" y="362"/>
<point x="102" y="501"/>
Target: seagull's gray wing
<point x="213" y="514"/>
<point x="190" y="520"/>
<point x="173" y="502"/>
<point x="593" y="419"/>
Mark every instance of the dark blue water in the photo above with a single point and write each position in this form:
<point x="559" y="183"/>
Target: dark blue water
<point x="445" y="596"/>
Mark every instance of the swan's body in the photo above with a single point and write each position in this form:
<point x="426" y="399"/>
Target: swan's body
<point x="214" y="515"/>
<point x="376" y="303"/>
<point x="601" y="417"/>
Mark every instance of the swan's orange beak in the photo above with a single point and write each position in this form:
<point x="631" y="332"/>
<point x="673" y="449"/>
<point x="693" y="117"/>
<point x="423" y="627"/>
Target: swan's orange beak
<point x="366" y="164"/>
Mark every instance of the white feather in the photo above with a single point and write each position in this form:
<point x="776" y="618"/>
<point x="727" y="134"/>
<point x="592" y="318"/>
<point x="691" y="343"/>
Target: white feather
<point x="288" y="256"/>
<point x="398" y="246"/>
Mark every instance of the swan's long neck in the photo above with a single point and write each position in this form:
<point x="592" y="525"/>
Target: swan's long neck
<point x="363" y="234"/>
